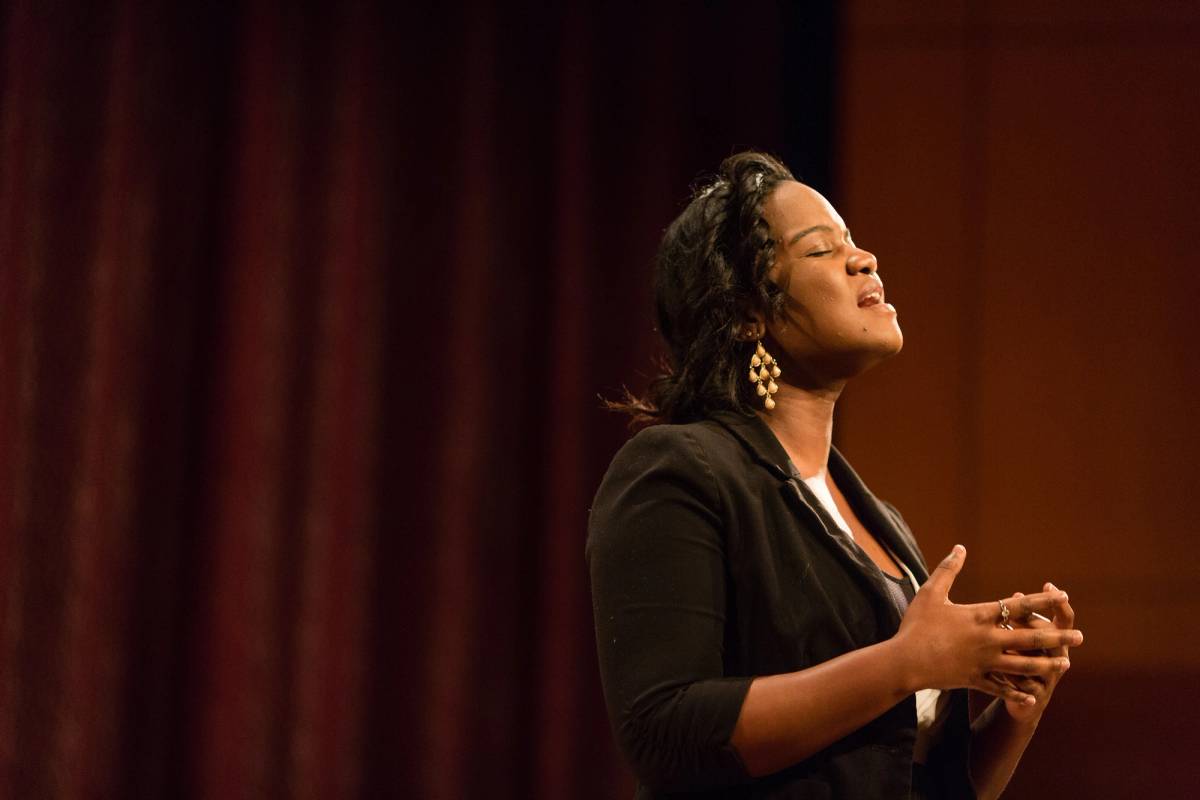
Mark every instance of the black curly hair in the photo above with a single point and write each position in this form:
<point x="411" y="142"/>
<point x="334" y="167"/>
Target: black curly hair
<point x="711" y="267"/>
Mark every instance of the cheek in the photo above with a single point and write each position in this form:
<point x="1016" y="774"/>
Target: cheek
<point x="824" y="319"/>
<point x="812" y="292"/>
<point x="820" y="309"/>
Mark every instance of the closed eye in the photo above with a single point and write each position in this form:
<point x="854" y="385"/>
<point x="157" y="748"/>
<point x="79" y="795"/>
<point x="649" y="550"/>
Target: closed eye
<point x="817" y="253"/>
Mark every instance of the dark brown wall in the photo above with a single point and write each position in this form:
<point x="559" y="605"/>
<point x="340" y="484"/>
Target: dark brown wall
<point x="1028" y="177"/>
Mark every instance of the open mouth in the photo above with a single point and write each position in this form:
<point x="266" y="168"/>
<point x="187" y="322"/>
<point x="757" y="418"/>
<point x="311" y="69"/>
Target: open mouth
<point x="873" y="297"/>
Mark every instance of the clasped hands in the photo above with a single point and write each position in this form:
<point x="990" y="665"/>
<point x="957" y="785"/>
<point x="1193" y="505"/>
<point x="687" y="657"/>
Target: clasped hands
<point x="951" y="645"/>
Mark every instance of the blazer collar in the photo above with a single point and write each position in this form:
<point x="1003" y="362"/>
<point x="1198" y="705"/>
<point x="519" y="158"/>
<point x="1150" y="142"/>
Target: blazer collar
<point x="760" y="441"/>
<point x="767" y="450"/>
<point x="874" y="515"/>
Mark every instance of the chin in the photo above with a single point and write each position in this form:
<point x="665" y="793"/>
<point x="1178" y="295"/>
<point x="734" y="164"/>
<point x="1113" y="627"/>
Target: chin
<point x="878" y="351"/>
<point x="890" y="341"/>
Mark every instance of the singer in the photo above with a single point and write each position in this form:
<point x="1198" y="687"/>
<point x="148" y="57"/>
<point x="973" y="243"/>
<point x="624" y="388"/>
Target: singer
<point x="766" y="626"/>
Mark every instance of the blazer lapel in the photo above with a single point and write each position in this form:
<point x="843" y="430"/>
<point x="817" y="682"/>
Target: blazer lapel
<point x="766" y="449"/>
<point x="875" y="516"/>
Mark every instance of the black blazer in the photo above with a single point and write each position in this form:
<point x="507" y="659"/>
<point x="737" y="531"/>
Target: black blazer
<point x="711" y="563"/>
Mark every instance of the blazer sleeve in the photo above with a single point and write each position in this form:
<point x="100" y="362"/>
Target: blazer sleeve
<point x="657" y="557"/>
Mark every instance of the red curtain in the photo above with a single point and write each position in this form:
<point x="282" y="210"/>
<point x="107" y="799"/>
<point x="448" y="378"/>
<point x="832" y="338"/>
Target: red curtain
<point x="305" y="315"/>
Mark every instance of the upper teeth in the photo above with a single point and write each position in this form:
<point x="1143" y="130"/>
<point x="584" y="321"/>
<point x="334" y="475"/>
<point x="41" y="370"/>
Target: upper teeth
<point x="872" y="296"/>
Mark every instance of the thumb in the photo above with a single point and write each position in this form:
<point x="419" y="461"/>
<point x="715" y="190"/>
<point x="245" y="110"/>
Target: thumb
<point x="944" y="574"/>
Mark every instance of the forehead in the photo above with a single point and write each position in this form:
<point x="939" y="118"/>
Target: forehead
<point x="794" y="207"/>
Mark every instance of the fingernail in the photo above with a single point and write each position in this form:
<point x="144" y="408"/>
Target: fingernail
<point x="1063" y="665"/>
<point x="1077" y="638"/>
<point x="1029" y="700"/>
<point x="1062" y="595"/>
<point x="1053" y="588"/>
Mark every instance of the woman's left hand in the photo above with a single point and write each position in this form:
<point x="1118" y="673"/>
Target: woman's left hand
<point x="1040" y="687"/>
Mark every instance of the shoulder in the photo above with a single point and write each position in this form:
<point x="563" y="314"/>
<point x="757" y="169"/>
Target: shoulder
<point x="700" y="452"/>
<point x="660" y="453"/>
<point x="664" y="477"/>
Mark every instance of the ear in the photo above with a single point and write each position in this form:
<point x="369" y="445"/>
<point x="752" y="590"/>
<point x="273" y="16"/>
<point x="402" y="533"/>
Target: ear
<point x="751" y="326"/>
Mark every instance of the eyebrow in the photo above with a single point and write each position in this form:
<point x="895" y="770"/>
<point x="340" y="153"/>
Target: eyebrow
<point x="813" y="229"/>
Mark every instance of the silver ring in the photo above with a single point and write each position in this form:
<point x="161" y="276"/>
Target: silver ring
<point x="1004" y="615"/>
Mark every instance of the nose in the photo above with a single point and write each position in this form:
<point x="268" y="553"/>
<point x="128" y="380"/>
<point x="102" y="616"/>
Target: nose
<point x="862" y="261"/>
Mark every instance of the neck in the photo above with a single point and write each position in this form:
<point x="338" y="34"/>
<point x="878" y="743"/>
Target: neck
<point x="802" y="421"/>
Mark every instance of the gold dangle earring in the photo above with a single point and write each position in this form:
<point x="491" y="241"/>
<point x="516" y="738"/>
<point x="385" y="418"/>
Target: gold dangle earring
<point x="763" y="369"/>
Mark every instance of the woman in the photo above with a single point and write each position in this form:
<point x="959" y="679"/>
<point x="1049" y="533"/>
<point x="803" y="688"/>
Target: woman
<point x="767" y="627"/>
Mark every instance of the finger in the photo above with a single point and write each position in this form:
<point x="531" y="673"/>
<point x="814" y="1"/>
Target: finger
<point x="1035" y="615"/>
<point x="1030" y="665"/>
<point x="1064" y="614"/>
<point x="1004" y="691"/>
<point x="1029" y="604"/>
<point x="1000" y="678"/>
<point x="1034" y="620"/>
<point x="944" y="573"/>
<point x="1031" y="622"/>
<point x="1064" y="617"/>
<point x="1029" y="684"/>
<point x="1019" y="607"/>
<point x="1037" y="638"/>
<point x="1039" y="688"/>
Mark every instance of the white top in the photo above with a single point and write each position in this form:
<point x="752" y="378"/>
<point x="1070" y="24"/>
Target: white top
<point x="821" y="489"/>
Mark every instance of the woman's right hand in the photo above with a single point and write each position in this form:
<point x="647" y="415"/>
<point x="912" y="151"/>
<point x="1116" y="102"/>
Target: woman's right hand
<point x="947" y="646"/>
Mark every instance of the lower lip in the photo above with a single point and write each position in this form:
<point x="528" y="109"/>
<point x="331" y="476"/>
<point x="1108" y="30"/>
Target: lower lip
<point x="880" y="308"/>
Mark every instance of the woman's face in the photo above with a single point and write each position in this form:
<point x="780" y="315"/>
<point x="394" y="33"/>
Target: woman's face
<point x="834" y="323"/>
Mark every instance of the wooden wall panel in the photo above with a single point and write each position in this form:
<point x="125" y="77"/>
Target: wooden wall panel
<point x="1085" y="401"/>
<point x="904" y="192"/>
<point x="1028" y="176"/>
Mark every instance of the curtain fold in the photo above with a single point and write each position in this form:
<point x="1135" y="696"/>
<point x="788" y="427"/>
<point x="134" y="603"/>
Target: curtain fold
<point x="305" y="313"/>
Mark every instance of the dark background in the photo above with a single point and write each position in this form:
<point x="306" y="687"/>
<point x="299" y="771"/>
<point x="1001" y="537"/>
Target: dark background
<point x="306" y="311"/>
